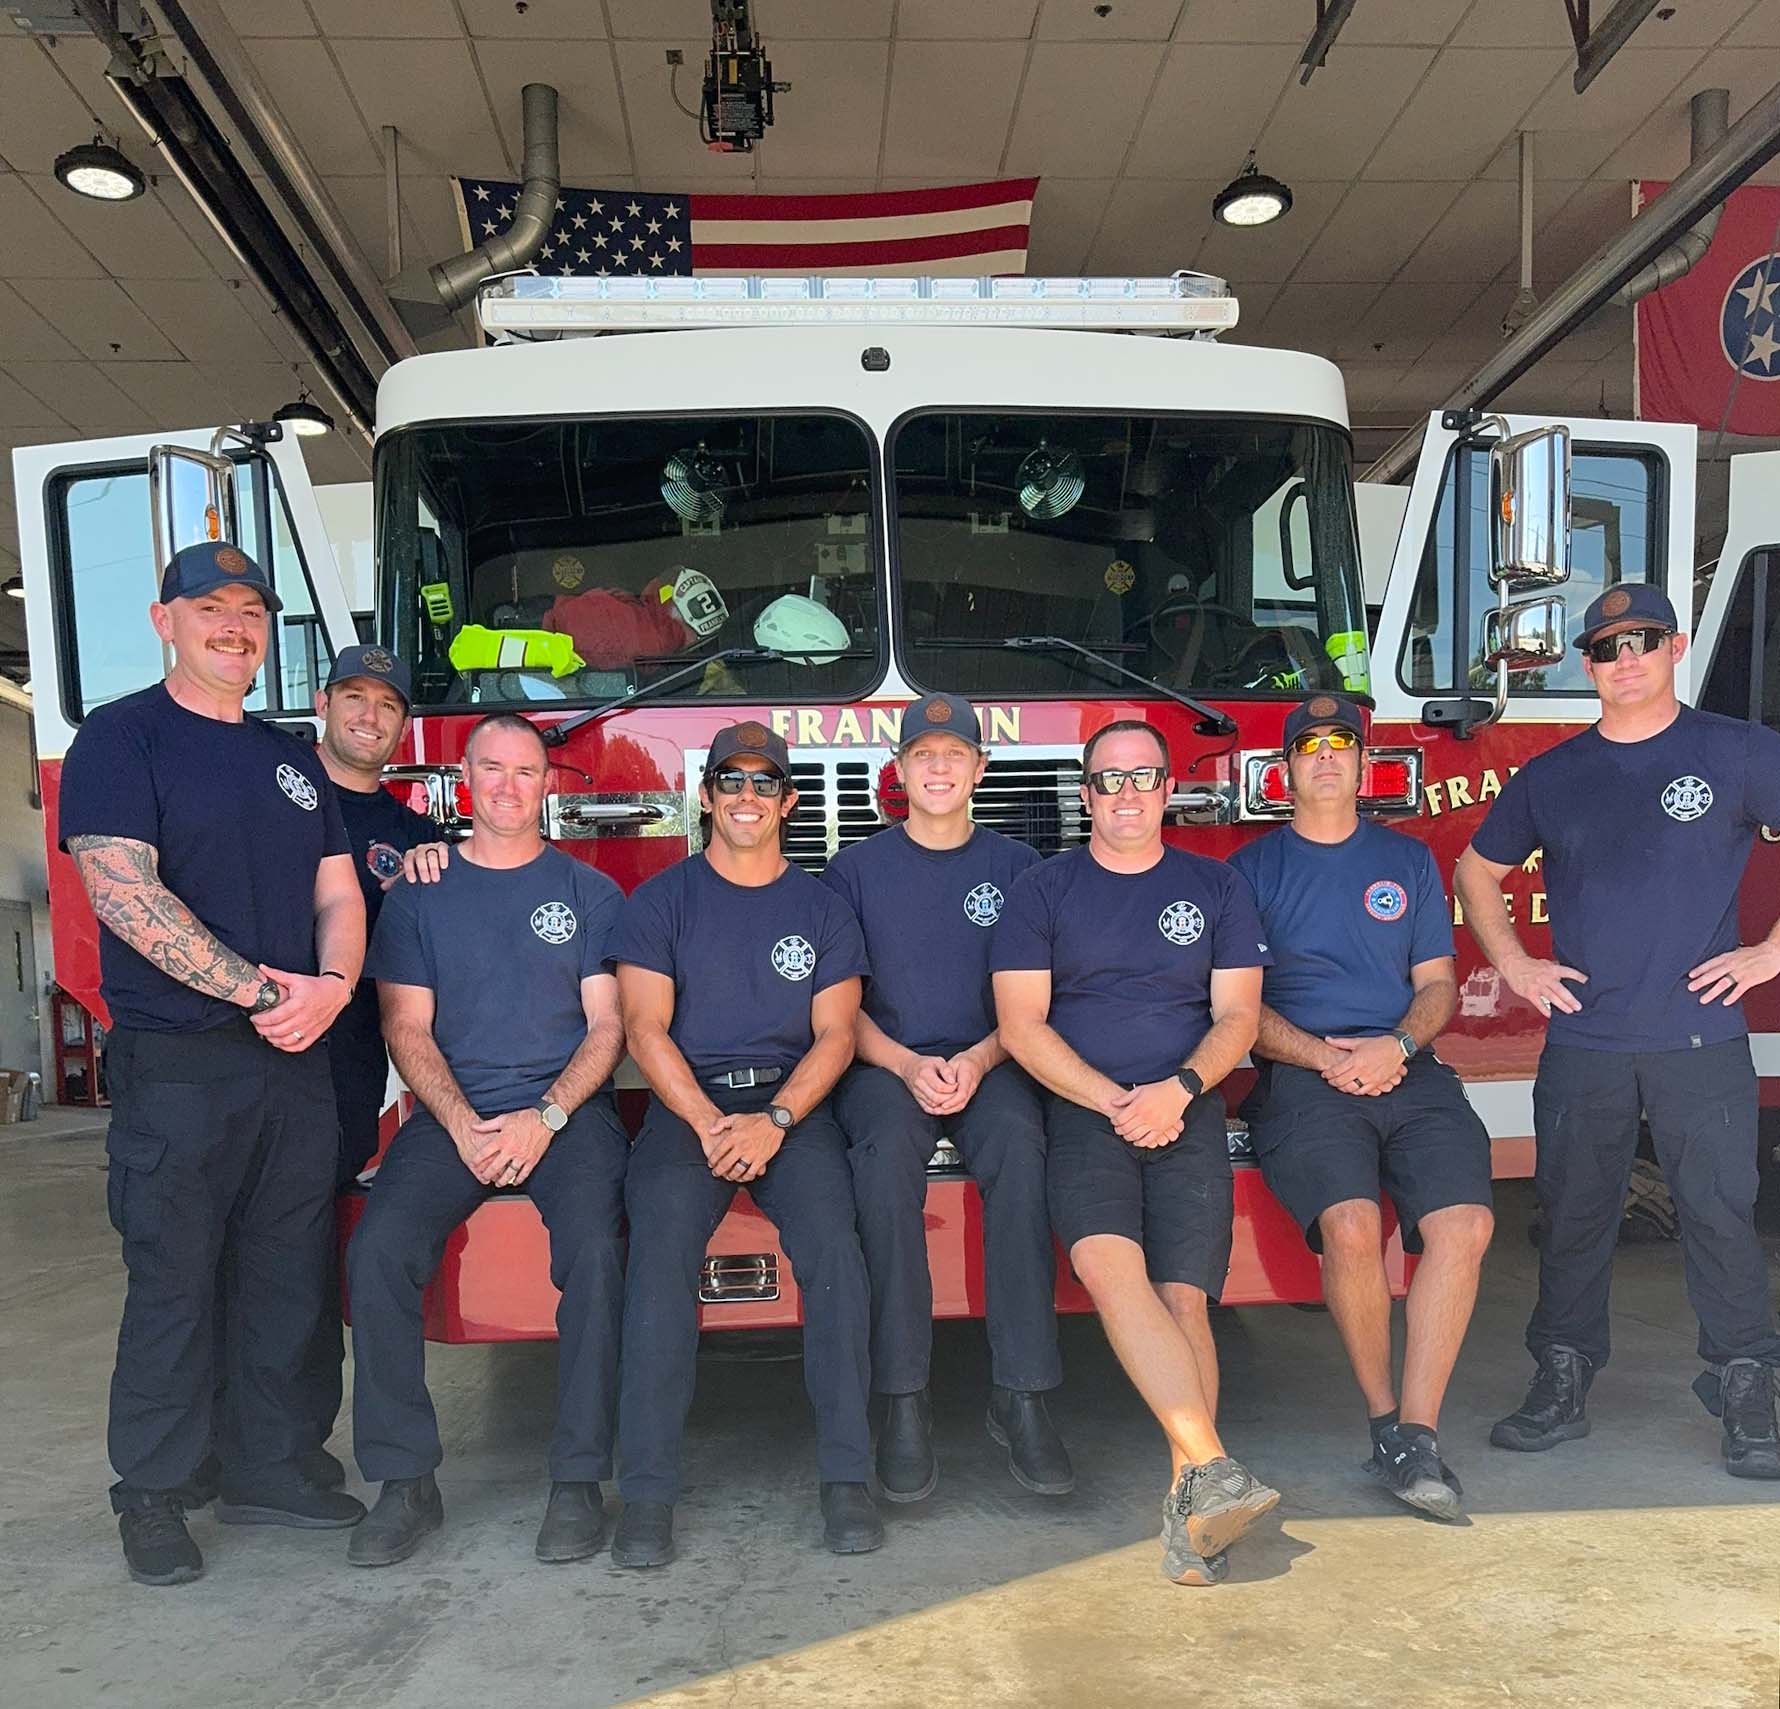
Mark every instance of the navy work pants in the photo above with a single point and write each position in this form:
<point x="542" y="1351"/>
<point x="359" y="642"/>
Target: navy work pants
<point x="675" y="1205"/>
<point x="1701" y="1106"/>
<point x="1000" y="1134"/>
<point x="221" y="1163"/>
<point x="420" y="1193"/>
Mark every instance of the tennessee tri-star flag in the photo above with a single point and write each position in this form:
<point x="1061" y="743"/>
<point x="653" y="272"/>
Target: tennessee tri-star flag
<point x="969" y="230"/>
<point x="1711" y="341"/>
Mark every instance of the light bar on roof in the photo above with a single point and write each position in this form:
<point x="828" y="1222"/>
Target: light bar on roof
<point x="527" y="305"/>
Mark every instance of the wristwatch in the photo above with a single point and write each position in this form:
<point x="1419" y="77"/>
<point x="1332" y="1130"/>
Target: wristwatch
<point x="1189" y="1077"/>
<point x="269" y="996"/>
<point x="1406" y="1043"/>
<point x="554" y="1116"/>
<point x="783" y="1119"/>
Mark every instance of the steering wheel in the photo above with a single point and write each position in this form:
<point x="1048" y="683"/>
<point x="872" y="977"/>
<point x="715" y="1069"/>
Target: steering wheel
<point x="1179" y="605"/>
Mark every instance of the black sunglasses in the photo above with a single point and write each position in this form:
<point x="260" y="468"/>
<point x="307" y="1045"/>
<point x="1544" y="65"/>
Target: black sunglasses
<point x="1144" y="778"/>
<point x="732" y="781"/>
<point x="1641" y="641"/>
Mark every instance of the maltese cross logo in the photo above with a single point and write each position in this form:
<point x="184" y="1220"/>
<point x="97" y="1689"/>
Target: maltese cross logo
<point x="982" y="907"/>
<point x="793" y="958"/>
<point x="1181" y="923"/>
<point x="1687" y="798"/>
<point x="554" y="922"/>
<point x="297" y="787"/>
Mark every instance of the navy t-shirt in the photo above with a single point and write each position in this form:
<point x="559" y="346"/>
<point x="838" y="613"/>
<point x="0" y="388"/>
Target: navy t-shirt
<point x="504" y="951"/>
<point x="746" y="960"/>
<point x="1345" y="923"/>
<point x="1130" y="954"/>
<point x="928" y="917"/>
<point x="1645" y="845"/>
<point x="241" y="815"/>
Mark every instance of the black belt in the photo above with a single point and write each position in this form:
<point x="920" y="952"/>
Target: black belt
<point x="740" y="1079"/>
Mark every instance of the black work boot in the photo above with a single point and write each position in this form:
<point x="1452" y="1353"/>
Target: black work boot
<point x="907" y="1470"/>
<point x="322" y="1469"/>
<point x="645" y="1535"/>
<point x="286" y="1497"/>
<point x="574" y="1523"/>
<point x="1019" y="1421"/>
<point x="406" y="1510"/>
<point x="850" y="1523"/>
<point x="1553" y="1410"/>
<point x="156" y="1547"/>
<point x="1742" y="1394"/>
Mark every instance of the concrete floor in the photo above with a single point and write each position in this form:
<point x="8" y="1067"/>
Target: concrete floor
<point x="1627" y="1569"/>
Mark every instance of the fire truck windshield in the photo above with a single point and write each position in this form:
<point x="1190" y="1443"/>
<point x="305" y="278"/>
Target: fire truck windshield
<point x="1211" y="556"/>
<point x="576" y="562"/>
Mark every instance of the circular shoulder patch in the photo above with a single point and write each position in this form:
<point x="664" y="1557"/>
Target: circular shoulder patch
<point x="1616" y="602"/>
<point x="1322" y="707"/>
<point x="1386" y="900"/>
<point x="938" y="712"/>
<point x="231" y="562"/>
<point x="751" y="735"/>
<point x="554" y="922"/>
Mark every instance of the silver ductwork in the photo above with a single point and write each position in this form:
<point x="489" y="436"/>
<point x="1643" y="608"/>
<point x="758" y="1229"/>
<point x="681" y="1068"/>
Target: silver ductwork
<point x="427" y="296"/>
<point x="1709" y="117"/>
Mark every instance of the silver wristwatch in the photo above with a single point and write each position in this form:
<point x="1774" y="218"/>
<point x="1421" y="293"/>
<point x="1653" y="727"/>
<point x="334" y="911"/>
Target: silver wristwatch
<point x="555" y="1117"/>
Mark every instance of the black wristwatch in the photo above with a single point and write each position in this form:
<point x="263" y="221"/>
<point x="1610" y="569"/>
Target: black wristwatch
<point x="269" y="996"/>
<point x="1189" y="1077"/>
<point x="783" y="1119"/>
<point x="1406" y="1043"/>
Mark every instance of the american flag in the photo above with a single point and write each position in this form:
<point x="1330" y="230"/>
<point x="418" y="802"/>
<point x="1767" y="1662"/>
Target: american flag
<point x="969" y="229"/>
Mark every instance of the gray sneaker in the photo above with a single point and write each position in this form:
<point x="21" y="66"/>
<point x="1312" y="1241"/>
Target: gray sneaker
<point x="1222" y="1502"/>
<point x="1181" y="1562"/>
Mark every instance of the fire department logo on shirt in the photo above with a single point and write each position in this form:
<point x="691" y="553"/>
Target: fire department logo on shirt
<point x="1181" y="923"/>
<point x="1386" y="900"/>
<point x="384" y="860"/>
<point x="793" y="958"/>
<point x="554" y="922"/>
<point x="1688" y="798"/>
<point x="982" y="907"/>
<point x="297" y="787"/>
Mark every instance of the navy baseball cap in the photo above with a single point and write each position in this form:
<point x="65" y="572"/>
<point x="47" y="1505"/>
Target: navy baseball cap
<point x="940" y="715"/>
<point x="748" y="738"/>
<point x="1319" y="709"/>
<point x="1630" y="602"/>
<point x="193" y="570"/>
<point x="377" y="663"/>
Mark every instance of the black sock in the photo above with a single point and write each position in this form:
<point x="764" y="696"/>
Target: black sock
<point x="1382" y="1423"/>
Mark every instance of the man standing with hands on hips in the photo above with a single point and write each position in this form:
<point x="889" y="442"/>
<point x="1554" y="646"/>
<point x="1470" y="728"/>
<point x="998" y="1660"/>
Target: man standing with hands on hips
<point x="1128" y="983"/>
<point x="230" y="935"/>
<point x="1646" y="822"/>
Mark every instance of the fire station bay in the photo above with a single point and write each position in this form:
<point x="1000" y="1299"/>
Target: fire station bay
<point x="890" y="852"/>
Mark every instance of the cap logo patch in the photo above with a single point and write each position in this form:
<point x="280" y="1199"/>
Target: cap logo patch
<point x="938" y="712"/>
<point x="297" y="787"/>
<point x="554" y="922"/>
<point x="231" y="562"/>
<point x="1322" y="707"/>
<point x="1616" y="602"/>
<point x="568" y="571"/>
<point x="375" y="659"/>
<point x="793" y="958"/>
<point x="751" y="735"/>
<point x="982" y="907"/>
<point x="1688" y="798"/>
<point x="1181" y="923"/>
<point x="1386" y="900"/>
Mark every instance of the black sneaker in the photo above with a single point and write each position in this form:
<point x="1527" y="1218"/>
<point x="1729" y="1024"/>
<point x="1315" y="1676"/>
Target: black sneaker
<point x="1745" y="1395"/>
<point x="287" y="1498"/>
<point x="907" y="1469"/>
<point x="1553" y="1410"/>
<point x="1181" y="1562"/>
<point x="1021" y="1423"/>
<point x="322" y="1469"/>
<point x="574" y="1523"/>
<point x="1223" y="1501"/>
<point x="1406" y="1460"/>
<point x="645" y="1535"/>
<point x="156" y="1547"/>
<point x="407" y="1510"/>
<point x="850" y="1522"/>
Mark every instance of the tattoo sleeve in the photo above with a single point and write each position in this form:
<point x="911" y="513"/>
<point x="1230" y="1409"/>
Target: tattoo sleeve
<point x="123" y="882"/>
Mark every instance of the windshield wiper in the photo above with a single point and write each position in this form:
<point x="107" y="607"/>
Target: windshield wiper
<point x="1212" y="722"/>
<point x="556" y="734"/>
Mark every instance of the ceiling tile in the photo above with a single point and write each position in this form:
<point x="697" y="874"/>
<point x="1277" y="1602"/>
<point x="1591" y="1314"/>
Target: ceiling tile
<point x="410" y="18"/>
<point x="40" y="115"/>
<point x="1268" y="251"/>
<point x="1374" y="230"/>
<point x="1065" y="215"/>
<point x="1127" y="21"/>
<point x="1760" y="27"/>
<point x="1572" y="221"/>
<point x="1525" y="23"/>
<point x="593" y="144"/>
<point x="541" y="21"/>
<point x="1152" y="225"/>
<point x="1208" y="107"/>
<point x="1402" y="323"/>
<point x="1455" y="123"/>
<point x="780" y="21"/>
<point x="24" y="333"/>
<point x="1477" y="332"/>
<point x="1474" y="239"/>
<point x="1370" y="385"/>
<point x="950" y="103"/>
<point x="1065" y="82"/>
<point x="1535" y="23"/>
<point x="174" y="394"/>
<point x="306" y="87"/>
<point x="277" y="17"/>
<point x="202" y="318"/>
<point x="1313" y="317"/>
<point x="664" y="20"/>
<point x="430" y="92"/>
<point x="80" y="394"/>
<point x="97" y="318"/>
<point x="1635" y="82"/>
<point x="1400" y="23"/>
<point x="138" y="239"/>
<point x="981" y="20"/>
<point x="20" y="407"/>
<point x="38" y="245"/>
<point x="1328" y="127"/>
<point x="1246" y="21"/>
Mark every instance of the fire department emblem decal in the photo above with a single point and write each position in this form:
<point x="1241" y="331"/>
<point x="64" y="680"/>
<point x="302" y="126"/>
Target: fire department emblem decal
<point x="1616" y="602"/>
<point x="375" y="659"/>
<point x="1322" y="707"/>
<point x="1181" y="923"/>
<point x="384" y="860"/>
<point x="231" y="562"/>
<point x="982" y="907"/>
<point x="1688" y="798"/>
<point x="793" y="958"/>
<point x="1386" y="900"/>
<point x="554" y="922"/>
<point x="297" y="787"/>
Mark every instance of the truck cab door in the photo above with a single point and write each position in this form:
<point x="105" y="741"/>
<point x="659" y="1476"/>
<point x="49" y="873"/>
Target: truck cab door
<point x="1632" y="509"/>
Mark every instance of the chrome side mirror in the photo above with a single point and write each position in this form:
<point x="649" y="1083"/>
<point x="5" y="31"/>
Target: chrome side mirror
<point x="1530" y="510"/>
<point x="1524" y="636"/>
